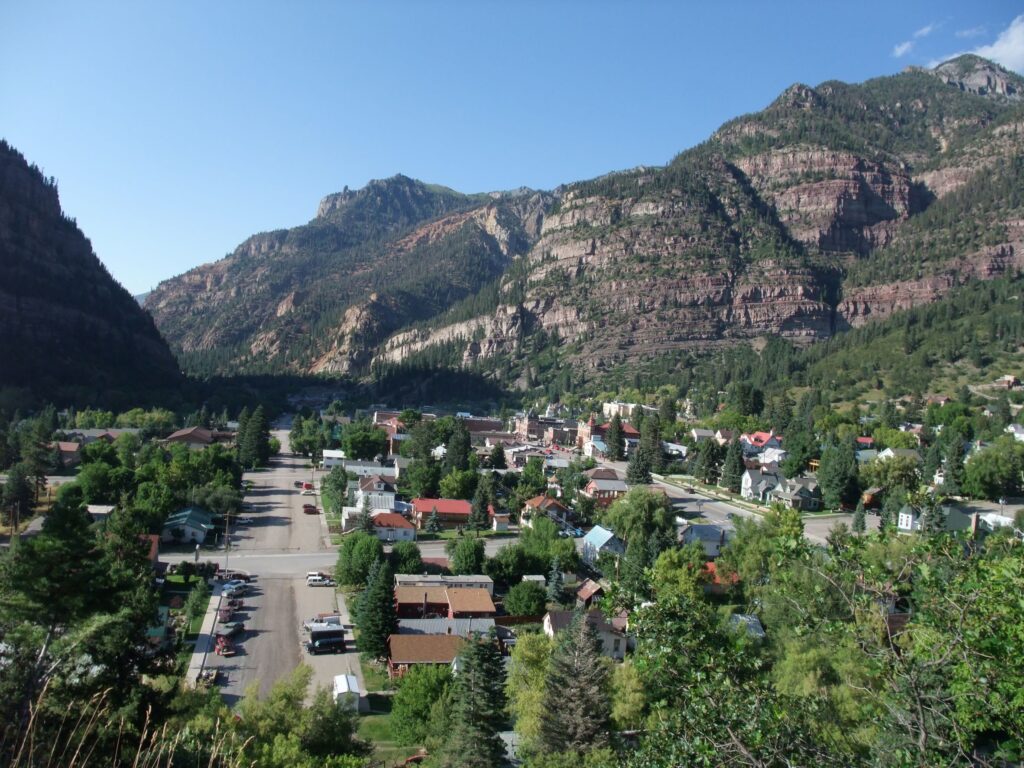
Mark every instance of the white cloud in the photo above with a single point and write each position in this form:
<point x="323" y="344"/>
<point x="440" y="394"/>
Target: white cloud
<point x="902" y="49"/>
<point x="972" y="32"/>
<point x="1008" y="49"/>
<point x="925" y="31"/>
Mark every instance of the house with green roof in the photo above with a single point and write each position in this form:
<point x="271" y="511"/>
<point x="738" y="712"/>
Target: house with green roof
<point x="187" y="526"/>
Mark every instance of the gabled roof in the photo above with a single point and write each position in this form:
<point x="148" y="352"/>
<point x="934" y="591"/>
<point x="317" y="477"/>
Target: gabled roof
<point x="196" y="517"/>
<point x="369" y="483"/>
<point x="417" y="595"/>
<point x="424" y="649"/>
<point x="608" y="485"/>
<point x="598" y="537"/>
<point x="588" y="589"/>
<point x="443" y="506"/>
<point x="192" y="435"/>
<point x="457" y="627"/>
<point x="560" y="620"/>
<point x="545" y="503"/>
<point x="470" y="600"/>
<point x="391" y="520"/>
<point x="602" y="473"/>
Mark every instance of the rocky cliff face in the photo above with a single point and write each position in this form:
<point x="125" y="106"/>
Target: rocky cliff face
<point x="835" y="205"/>
<point x="69" y="331"/>
<point x="320" y="297"/>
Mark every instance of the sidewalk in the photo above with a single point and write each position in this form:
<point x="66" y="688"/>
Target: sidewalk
<point x="204" y="642"/>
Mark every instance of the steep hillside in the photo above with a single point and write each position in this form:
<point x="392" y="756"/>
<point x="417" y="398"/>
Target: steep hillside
<point x="835" y="205"/>
<point x="68" y="331"/>
<point x="319" y="297"/>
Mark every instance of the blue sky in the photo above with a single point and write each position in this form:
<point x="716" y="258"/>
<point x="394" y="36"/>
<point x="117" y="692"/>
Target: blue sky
<point x="176" y="130"/>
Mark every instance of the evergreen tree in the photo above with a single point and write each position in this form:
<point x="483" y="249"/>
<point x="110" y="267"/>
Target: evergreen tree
<point x="243" y="425"/>
<point x="953" y="476"/>
<point x="933" y="521"/>
<point x="376" y="618"/>
<point x="498" y="457"/>
<point x="667" y="411"/>
<point x="733" y="468"/>
<point x="365" y="521"/>
<point x="260" y="429"/>
<point x="482" y="499"/>
<point x="576" y="693"/>
<point x="615" y="439"/>
<point x="650" y="442"/>
<point x="478" y="711"/>
<point x="458" y="448"/>
<point x="556" y="584"/>
<point x="433" y="522"/>
<point x="638" y="471"/>
<point x="859" y="521"/>
<point x="838" y="475"/>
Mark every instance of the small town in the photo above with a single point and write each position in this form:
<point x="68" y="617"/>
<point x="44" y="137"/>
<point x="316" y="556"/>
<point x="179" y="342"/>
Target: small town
<point x="511" y="385"/>
<point x="366" y="551"/>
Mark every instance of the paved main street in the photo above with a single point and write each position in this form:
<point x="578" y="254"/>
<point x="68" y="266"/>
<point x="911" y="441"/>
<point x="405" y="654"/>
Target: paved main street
<point x="279" y="547"/>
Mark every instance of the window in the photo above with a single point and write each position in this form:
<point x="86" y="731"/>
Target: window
<point x="615" y="645"/>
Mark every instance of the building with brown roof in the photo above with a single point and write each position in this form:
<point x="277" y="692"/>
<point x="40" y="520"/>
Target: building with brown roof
<point x="416" y="602"/>
<point x="407" y="651"/>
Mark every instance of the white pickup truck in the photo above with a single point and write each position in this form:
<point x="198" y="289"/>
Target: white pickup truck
<point x="323" y="621"/>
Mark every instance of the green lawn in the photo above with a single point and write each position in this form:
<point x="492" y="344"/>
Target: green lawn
<point x="375" y="676"/>
<point x="376" y="729"/>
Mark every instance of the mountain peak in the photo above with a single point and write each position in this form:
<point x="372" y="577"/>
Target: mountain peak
<point x="400" y="189"/>
<point x="974" y="74"/>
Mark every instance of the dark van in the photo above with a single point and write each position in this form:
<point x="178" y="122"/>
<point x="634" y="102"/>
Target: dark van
<point x="326" y="641"/>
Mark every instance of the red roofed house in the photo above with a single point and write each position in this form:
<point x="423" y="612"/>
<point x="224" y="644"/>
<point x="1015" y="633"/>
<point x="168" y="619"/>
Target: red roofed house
<point x="451" y="513"/>
<point x="391" y="526"/>
<point x="866" y="442"/>
<point x="755" y="442"/>
<point x="543" y="505"/>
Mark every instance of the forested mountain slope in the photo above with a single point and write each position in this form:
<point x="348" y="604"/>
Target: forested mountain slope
<point x="68" y="331"/>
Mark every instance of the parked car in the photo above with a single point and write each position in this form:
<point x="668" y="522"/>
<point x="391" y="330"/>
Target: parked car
<point x="307" y="486"/>
<point x="235" y="576"/>
<point x="298" y="484"/>
<point x="317" y="574"/>
<point x="230" y="629"/>
<point x="309" y="509"/>
<point x="239" y="590"/>
<point x="326" y="641"/>
<point x="320" y="581"/>
<point x="308" y="492"/>
<point x="244" y="520"/>
<point x="232" y="584"/>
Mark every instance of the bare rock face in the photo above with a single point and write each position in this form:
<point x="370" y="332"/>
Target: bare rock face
<point x="830" y="200"/>
<point x="974" y="74"/>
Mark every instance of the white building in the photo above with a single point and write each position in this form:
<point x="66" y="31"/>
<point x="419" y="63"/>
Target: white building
<point x="376" y="492"/>
<point x="332" y="458"/>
